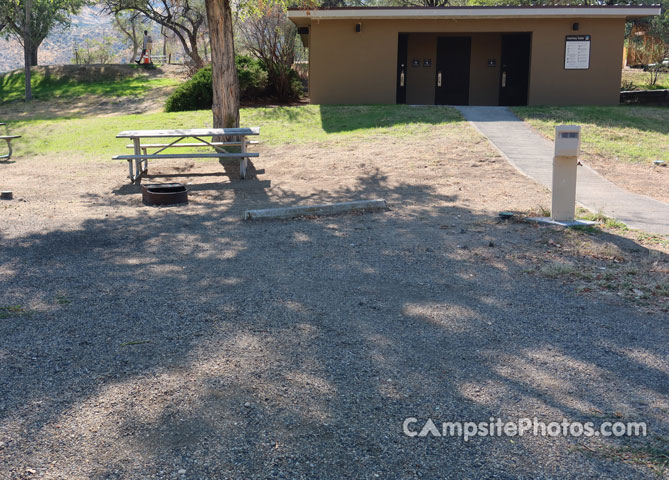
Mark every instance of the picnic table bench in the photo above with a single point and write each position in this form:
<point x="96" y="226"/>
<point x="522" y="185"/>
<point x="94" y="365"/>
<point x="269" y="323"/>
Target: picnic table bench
<point x="7" y="138"/>
<point x="138" y="162"/>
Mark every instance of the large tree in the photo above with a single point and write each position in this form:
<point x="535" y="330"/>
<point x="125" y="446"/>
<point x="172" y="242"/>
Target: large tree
<point x="43" y="16"/>
<point x="266" y="32"/>
<point x="658" y="46"/>
<point x="186" y="18"/>
<point x="27" y="49"/>
<point x="131" y="25"/>
<point x="224" y="73"/>
<point x="659" y="26"/>
<point x="13" y="9"/>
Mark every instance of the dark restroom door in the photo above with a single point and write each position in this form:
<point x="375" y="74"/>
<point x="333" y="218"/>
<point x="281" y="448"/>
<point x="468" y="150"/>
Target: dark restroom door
<point x="402" y="53"/>
<point x="452" y="82"/>
<point x="515" y="71"/>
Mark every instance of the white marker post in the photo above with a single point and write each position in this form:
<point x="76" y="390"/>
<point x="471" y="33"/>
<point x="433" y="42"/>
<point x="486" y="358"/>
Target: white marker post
<point x="565" y="165"/>
<point x="565" y="161"/>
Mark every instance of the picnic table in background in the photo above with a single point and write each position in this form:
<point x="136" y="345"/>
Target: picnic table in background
<point x="7" y="138"/>
<point x="138" y="163"/>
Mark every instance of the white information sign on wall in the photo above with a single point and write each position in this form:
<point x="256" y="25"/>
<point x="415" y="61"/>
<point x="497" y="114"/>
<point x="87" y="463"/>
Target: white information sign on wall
<point x="577" y="52"/>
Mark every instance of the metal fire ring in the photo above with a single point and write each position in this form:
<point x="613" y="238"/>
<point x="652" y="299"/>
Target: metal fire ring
<point x="164" y="194"/>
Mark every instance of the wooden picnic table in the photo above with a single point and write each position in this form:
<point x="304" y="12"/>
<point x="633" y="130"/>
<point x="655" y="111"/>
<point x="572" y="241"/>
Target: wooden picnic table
<point x="7" y="138"/>
<point x="138" y="163"/>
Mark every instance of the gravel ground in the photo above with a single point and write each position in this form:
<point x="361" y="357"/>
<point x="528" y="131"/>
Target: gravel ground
<point x="182" y="342"/>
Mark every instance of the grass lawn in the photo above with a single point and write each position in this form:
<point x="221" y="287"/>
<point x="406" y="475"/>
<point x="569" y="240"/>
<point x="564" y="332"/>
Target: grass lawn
<point x="46" y="86"/>
<point x="639" y="80"/>
<point x="620" y="133"/>
<point x="296" y="125"/>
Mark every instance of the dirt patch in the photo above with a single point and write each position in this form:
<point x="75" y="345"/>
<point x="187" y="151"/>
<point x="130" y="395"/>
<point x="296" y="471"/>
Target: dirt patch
<point x="413" y="174"/>
<point x="645" y="179"/>
<point x="97" y="105"/>
<point x="90" y="106"/>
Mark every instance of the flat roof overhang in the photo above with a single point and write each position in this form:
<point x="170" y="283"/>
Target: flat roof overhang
<point x="304" y="17"/>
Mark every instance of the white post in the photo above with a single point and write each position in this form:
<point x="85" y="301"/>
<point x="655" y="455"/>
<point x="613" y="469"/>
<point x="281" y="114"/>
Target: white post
<point x="567" y="146"/>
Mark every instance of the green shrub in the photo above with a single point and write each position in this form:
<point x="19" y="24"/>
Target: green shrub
<point x="252" y="77"/>
<point x="196" y="93"/>
<point x="296" y="84"/>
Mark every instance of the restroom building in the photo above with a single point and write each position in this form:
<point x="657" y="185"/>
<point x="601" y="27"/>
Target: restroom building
<point x="557" y="55"/>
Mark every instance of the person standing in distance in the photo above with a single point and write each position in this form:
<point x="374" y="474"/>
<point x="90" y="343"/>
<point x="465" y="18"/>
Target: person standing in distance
<point x="146" y="46"/>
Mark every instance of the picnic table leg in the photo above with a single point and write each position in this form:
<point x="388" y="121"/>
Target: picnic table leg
<point x="146" y="161"/>
<point x="130" y="165"/>
<point x="138" y="163"/>
<point x="9" y="147"/>
<point x="243" y="162"/>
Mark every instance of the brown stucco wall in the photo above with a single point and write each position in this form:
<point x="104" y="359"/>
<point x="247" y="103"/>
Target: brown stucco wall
<point x="358" y="68"/>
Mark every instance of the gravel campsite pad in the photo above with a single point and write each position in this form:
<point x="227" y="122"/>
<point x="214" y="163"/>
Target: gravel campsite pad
<point x="183" y="342"/>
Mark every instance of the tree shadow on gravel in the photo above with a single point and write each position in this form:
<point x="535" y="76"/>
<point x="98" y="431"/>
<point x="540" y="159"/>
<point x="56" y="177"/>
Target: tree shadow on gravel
<point x="188" y="339"/>
<point x="230" y="172"/>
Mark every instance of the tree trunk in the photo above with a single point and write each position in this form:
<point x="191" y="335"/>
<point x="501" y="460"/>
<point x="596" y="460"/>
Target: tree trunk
<point x="193" y="52"/>
<point x="224" y="73"/>
<point x="134" y="39"/>
<point x="33" y="55"/>
<point x="27" y="49"/>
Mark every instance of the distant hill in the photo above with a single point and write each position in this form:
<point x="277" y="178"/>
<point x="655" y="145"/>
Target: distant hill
<point x="57" y="48"/>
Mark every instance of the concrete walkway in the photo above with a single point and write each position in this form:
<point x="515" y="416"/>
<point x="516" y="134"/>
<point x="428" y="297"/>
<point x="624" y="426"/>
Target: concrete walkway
<point x="532" y="155"/>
